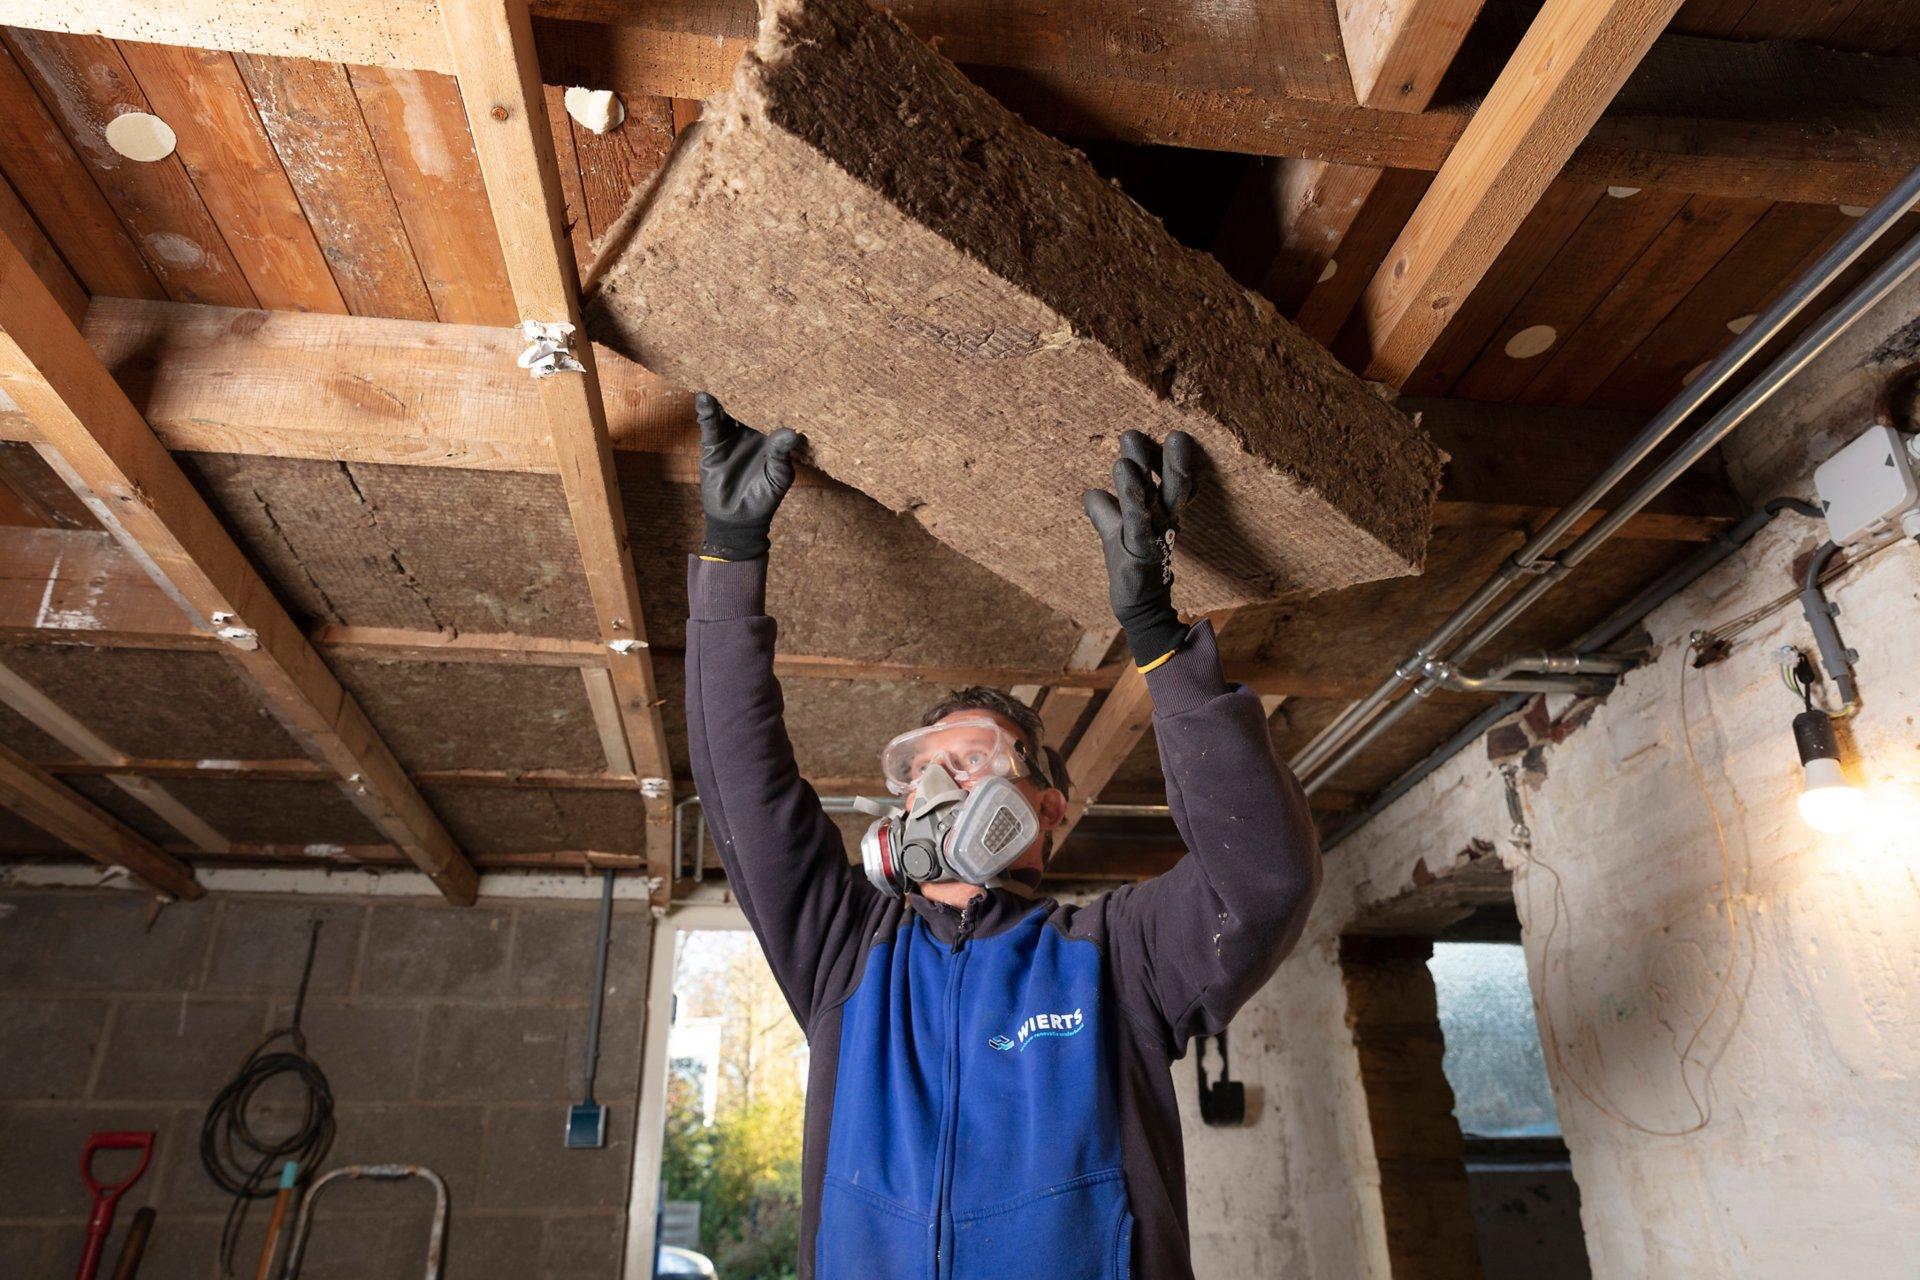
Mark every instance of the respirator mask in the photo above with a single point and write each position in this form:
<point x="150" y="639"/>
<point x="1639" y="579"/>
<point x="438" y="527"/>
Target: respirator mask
<point x="948" y="832"/>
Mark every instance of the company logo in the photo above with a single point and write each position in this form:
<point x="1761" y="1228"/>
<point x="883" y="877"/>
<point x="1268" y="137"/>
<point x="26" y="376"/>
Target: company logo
<point x="1038" y="1026"/>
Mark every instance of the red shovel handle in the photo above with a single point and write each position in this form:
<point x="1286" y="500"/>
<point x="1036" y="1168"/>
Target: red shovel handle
<point x="107" y="1196"/>
<point x="120" y="1140"/>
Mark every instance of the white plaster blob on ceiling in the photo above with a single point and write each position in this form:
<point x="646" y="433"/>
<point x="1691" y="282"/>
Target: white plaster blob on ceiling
<point x="1686" y="379"/>
<point x="1739" y="324"/>
<point x="139" y="136"/>
<point x="1621" y="193"/>
<point x="1531" y="341"/>
<point x="595" y="109"/>
<point x="1853" y="210"/>
<point x="1326" y="272"/>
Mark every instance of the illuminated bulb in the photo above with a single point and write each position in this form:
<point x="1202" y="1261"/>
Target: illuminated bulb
<point x="1828" y="802"/>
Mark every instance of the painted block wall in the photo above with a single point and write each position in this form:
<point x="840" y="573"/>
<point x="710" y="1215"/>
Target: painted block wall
<point x="451" y="1038"/>
<point x="1783" y="1143"/>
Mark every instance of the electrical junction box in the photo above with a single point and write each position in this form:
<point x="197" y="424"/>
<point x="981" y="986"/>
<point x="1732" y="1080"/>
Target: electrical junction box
<point x="1869" y="487"/>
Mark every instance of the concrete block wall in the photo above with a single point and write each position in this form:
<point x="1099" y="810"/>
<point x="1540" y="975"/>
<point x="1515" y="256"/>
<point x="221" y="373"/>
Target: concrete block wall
<point x="452" y="1038"/>
<point x="1798" y="1159"/>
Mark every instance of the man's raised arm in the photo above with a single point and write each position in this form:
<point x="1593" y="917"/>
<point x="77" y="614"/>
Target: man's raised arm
<point x="1192" y="945"/>
<point x="784" y="857"/>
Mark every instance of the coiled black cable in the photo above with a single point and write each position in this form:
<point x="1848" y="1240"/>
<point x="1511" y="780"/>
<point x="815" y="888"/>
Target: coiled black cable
<point x="237" y="1155"/>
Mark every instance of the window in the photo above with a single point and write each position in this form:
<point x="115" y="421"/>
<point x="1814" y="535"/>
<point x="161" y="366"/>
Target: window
<point x="1493" y="1059"/>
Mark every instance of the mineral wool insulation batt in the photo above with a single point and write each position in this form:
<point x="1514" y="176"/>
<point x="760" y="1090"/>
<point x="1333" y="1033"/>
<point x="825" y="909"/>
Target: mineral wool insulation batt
<point x="962" y="316"/>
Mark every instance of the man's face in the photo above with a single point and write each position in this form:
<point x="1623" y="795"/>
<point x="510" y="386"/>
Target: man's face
<point x="962" y="743"/>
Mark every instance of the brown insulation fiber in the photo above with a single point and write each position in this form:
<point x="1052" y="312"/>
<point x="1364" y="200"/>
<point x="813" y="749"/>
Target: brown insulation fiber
<point x="419" y="548"/>
<point x="246" y="811"/>
<point x="153" y="704"/>
<point x="962" y="316"/>
<point x="518" y="820"/>
<point x="470" y="715"/>
<point x="848" y="578"/>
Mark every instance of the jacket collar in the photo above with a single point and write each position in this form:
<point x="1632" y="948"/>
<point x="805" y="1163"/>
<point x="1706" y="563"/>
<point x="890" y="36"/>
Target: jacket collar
<point x="998" y="910"/>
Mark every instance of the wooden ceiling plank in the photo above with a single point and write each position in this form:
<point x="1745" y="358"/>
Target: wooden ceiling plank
<point x="1363" y="245"/>
<point x="1704" y="232"/>
<point x="1739" y="287"/>
<point x="1613" y="235"/>
<point x="96" y="438"/>
<point x="1171" y="76"/>
<point x="572" y="183"/>
<point x="62" y="812"/>
<point x="313" y="120"/>
<point x="615" y="164"/>
<point x="62" y="195"/>
<point x="499" y="75"/>
<point x="1553" y="221"/>
<point x="85" y="84"/>
<point x="201" y="95"/>
<point x="18" y="224"/>
<point x="419" y="130"/>
<point x="1575" y="56"/>
<point x="400" y="393"/>
<point x="51" y="719"/>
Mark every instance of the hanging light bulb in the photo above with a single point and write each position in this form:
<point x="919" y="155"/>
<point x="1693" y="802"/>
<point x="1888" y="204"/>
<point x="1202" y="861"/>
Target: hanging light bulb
<point x="1828" y="802"/>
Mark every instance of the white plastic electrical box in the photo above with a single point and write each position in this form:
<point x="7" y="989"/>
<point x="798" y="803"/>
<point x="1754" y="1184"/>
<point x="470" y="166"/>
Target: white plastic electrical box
<point x="1868" y="486"/>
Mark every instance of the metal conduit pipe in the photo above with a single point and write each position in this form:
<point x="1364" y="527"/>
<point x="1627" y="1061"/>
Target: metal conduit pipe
<point x="1623" y="620"/>
<point x="1527" y="560"/>
<point x="1574" y="673"/>
<point x="1820" y="611"/>
<point x="1790" y="362"/>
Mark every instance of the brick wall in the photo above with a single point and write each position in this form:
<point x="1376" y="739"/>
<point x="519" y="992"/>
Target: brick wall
<point x="452" y="1038"/>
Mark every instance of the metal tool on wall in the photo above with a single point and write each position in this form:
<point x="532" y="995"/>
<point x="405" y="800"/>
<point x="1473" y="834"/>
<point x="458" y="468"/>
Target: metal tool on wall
<point x="587" y="1119"/>
<point x="106" y="1195"/>
<point x="303" y="1223"/>
<point x="134" y="1247"/>
<point x="1224" y="1102"/>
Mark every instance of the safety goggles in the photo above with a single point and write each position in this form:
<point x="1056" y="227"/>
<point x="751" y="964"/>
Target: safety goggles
<point x="970" y="749"/>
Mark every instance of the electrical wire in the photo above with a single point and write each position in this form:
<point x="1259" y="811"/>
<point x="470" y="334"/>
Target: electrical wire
<point x="1701" y="1099"/>
<point x="233" y="1149"/>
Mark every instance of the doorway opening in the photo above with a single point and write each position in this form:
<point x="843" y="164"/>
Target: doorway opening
<point x="1476" y="1181"/>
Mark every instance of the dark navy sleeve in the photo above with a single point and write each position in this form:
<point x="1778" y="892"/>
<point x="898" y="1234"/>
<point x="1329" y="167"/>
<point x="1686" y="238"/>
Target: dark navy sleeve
<point x="784" y="857"/>
<point x="1189" y="947"/>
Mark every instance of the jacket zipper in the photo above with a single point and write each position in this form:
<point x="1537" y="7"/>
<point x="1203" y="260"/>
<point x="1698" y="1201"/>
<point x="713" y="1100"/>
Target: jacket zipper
<point x="943" y="1219"/>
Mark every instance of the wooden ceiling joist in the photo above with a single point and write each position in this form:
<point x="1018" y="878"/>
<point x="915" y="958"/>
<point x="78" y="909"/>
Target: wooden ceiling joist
<point x="65" y="586"/>
<point x="1793" y="122"/>
<point x="499" y="76"/>
<point x="59" y="811"/>
<point x="1397" y="51"/>
<point x="400" y="392"/>
<point x="1573" y="60"/>
<point x="95" y="438"/>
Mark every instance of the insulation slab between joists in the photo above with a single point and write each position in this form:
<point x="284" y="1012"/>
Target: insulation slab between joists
<point x="962" y="317"/>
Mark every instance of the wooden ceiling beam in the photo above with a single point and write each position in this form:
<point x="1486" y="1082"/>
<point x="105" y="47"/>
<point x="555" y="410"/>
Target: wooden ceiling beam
<point x="1398" y="51"/>
<point x="94" y="437"/>
<point x="63" y="813"/>
<point x="1717" y="117"/>
<point x="401" y="392"/>
<point x="498" y="70"/>
<point x="1574" y="58"/>
<point x="51" y="581"/>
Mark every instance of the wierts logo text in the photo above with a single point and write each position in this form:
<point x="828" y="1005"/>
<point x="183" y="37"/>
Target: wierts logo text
<point x="1039" y="1026"/>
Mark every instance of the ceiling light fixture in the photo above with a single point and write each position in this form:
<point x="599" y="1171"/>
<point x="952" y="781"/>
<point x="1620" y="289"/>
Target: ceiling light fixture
<point x="1828" y="801"/>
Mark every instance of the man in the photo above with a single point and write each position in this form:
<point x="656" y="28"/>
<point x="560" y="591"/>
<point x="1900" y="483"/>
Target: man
<point x="990" y="1090"/>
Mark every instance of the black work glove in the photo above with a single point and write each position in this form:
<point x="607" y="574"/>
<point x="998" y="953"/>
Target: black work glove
<point x="1136" y="533"/>
<point x="743" y="476"/>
